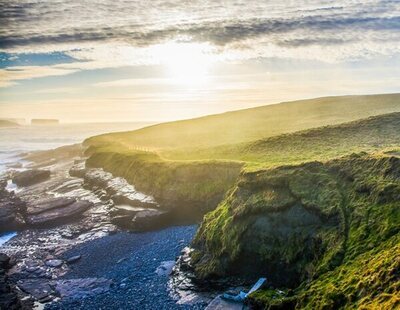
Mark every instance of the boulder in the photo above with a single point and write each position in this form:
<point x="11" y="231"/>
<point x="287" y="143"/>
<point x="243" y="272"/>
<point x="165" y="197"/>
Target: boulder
<point x="149" y="219"/>
<point x="57" y="215"/>
<point x="30" y="177"/>
<point x="78" y="170"/>
<point x="81" y="288"/>
<point x="4" y="261"/>
<point x="39" y="288"/>
<point x="11" y="208"/>
<point x="139" y="219"/>
<point x="48" y="203"/>
<point x="73" y="259"/>
<point x="55" y="263"/>
<point x="8" y="293"/>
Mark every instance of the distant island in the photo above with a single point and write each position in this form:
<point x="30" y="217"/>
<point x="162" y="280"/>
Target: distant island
<point x="7" y="123"/>
<point x="44" y="121"/>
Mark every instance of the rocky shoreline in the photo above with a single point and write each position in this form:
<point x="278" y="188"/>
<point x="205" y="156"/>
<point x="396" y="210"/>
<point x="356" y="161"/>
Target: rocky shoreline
<point x="63" y="212"/>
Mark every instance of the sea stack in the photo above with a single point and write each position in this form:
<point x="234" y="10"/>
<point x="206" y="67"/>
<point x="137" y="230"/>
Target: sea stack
<point x="44" y="121"/>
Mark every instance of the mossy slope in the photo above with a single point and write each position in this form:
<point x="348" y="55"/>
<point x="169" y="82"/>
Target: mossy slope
<point x="327" y="230"/>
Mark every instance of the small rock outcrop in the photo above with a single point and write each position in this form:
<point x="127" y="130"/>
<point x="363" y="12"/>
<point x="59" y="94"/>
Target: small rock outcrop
<point x="30" y="177"/>
<point x="8" y="294"/>
<point x="10" y="209"/>
<point x="131" y="209"/>
<point x="50" y="211"/>
<point x="140" y="220"/>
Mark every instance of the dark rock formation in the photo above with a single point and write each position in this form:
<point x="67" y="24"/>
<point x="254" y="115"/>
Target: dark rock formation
<point x="8" y="294"/>
<point x="30" y="177"/>
<point x="55" y="263"/>
<point x="55" y="211"/>
<point x="46" y="204"/>
<point x="10" y="210"/>
<point x="81" y="288"/>
<point x="132" y="210"/>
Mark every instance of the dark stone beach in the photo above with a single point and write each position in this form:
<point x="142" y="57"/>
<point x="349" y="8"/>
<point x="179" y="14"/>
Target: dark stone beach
<point x="130" y="261"/>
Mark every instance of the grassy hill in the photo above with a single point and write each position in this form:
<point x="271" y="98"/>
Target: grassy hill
<point x="250" y="124"/>
<point x="369" y="135"/>
<point x="198" y="178"/>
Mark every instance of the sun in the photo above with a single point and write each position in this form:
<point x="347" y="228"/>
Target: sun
<point x="186" y="63"/>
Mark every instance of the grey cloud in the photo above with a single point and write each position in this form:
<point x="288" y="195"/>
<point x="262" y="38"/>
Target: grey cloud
<point x="140" y="23"/>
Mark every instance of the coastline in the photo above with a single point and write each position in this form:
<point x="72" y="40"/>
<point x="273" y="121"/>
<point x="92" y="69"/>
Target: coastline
<point x="131" y="262"/>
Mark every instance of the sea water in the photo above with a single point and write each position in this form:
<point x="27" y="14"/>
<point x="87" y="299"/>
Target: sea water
<point x="6" y="236"/>
<point x="17" y="140"/>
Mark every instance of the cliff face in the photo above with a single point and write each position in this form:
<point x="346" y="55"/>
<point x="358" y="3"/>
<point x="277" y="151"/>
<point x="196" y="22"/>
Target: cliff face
<point x="319" y="228"/>
<point x="188" y="188"/>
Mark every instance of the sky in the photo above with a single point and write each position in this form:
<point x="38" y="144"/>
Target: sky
<point x="162" y="60"/>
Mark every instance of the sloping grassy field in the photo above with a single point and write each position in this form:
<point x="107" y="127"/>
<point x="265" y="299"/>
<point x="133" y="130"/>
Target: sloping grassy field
<point x="250" y="124"/>
<point x="197" y="177"/>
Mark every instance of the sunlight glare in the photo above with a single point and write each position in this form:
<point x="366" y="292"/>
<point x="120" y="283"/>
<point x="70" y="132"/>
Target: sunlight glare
<point x="186" y="63"/>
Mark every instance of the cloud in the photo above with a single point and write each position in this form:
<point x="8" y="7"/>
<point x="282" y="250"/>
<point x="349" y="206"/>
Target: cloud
<point x="111" y="33"/>
<point x="11" y="76"/>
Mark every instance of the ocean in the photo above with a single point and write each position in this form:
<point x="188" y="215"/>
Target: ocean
<point x="17" y="140"/>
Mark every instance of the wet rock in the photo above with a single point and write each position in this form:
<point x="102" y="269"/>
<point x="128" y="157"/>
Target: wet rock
<point x="4" y="261"/>
<point x="10" y="209"/>
<point x="8" y="293"/>
<point x="55" y="263"/>
<point x="149" y="219"/>
<point x="48" y="203"/>
<point x="165" y="268"/>
<point x="30" y="177"/>
<point x="58" y="215"/>
<point x="73" y="259"/>
<point x="220" y="304"/>
<point x="80" y="288"/>
<point x="118" y="188"/>
<point x="16" y="165"/>
<point x="38" y="288"/>
<point x="140" y="220"/>
<point x="78" y="170"/>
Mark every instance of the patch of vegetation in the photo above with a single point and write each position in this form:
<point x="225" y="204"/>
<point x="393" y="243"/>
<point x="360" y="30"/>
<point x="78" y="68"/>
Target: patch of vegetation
<point x="330" y="231"/>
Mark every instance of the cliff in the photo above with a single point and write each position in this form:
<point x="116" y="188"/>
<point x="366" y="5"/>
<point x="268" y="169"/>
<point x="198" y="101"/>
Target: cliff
<point x="329" y="231"/>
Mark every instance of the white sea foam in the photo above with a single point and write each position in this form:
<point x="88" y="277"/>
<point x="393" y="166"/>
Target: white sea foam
<point x="7" y="236"/>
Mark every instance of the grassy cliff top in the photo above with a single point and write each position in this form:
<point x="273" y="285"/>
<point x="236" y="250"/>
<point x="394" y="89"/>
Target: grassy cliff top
<point x="250" y="124"/>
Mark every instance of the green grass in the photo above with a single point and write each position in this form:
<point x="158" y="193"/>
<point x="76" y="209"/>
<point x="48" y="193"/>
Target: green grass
<point x="369" y="135"/>
<point x="250" y="124"/>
